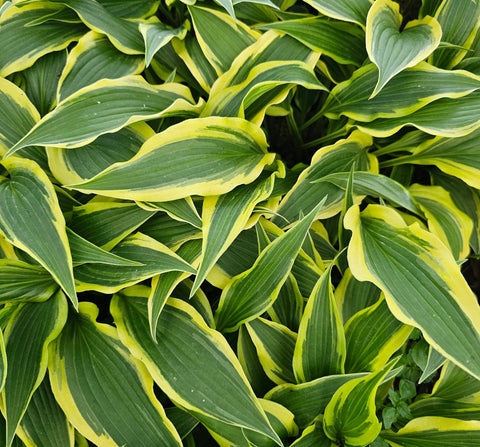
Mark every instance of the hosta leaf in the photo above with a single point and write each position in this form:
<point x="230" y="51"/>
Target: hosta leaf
<point x="17" y="114"/>
<point x="338" y="157"/>
<point x="445" y="117"/>
<point x="456" y="384"/>
<point x="29" y="202"/>
<point x="83" y="163"/>
<point x="105" y="224"/>
<point x="307" y="400"/>
<point x="407" y="92"/>
<point x="287" y="309"/>
<point x="452" y="226"/>
<point x="458" y="157"/>
<point x="372" y="336"/>
<point x="124" y="34"/>
<point x="279" y="417"/>
<point x="171" y="232"/>
<point x="274" y="344"/>
<point x="375" y="185"/>
<point x="224" y="217"/>
<point x="41" y="80"/>
<point x="261" y="76"/>
<point x="192" y="56"/>
<point x="182" y="209"/>
<point x="213" y="385"/>
<point x="252" y="292"/>
<point x="104" y="107"/>
<point x="435" y="360"/>
<point x="349" y="10"/>
<point x="350" y="415"/>
<point x="421" y="281"/>
<point x="342" y="42"/>
<point x="236" y="36"/>
<point x="92" y="59"/>
<point x="81" y="362"/>
<point x="84" y="252"/>
<point x="248" y="358"/>
<point x="465" y="198"/>
<point x="433" y="406"/>
<point x="164" y="284"/>
<point x="313" y="435"/>
<point x="108" y="278"/>
<point x="207" y="156"/>
<point x="320" y="347"/>
<point x="459" y="21"/>
<point x="183" y="422"/>
<point x="44" y="424"/>
<point x="391" y="50"/>
<point x="28" y="333"/>
<point x="23" y="44"/>
<point x="133" y="9"/>
<point x="25" y="282"/>
<point x="434" y="431"/>
<point x="156" y="35"/>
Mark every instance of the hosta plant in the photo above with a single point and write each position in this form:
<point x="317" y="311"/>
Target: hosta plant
<point x="239" y="223"/>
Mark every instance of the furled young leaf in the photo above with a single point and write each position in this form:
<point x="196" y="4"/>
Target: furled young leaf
<point x="313" y="435"/>
<point x="421" y="281"/>
<point x="44" y="424"/>
<point x="407" y="92"/>
<point x="207" y="156"/>
<point x="434" y="431"/>
<point x="342" y="42"/>
<point x="29" y="203"/>
<point x="337" y="157"/>
<point x="445" y="117"/>
<point x="105" y="224"/>
<point x="88" y="364"/>
<point x="27" y="335"/>
<point x="41" y="80"/>
<point x="213" y="385"/>
<point x="224" y="217"/>
<point x="391" y="50"/>
<point x="372" y="336"/>
<point x="350" y="415"/>
<point x="76" y="166"/>
<point x="17" y="114"/>
<point x="252" y="292"/>
<point x="20" y="281"/>
<point x="23" y="44"/>
<point x="452" y="226"/>
<point x="320" y="347"/>
<point x="459" y="21"/>
<point x="209" y="24"/>
<point x="349" y="10"/>
<point x="92" y="59"/>
<point x="164" y="284"/>
<point x="108" y="278"/>
<point x="307" y="400"/>
<point x="156" y="35"/>
<point x="274" y="344"/>
<point x="435" y="361"/>
<point x="260" y="77"/>
<point x="104" y="107"/>
<point x="457" y="157"/>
